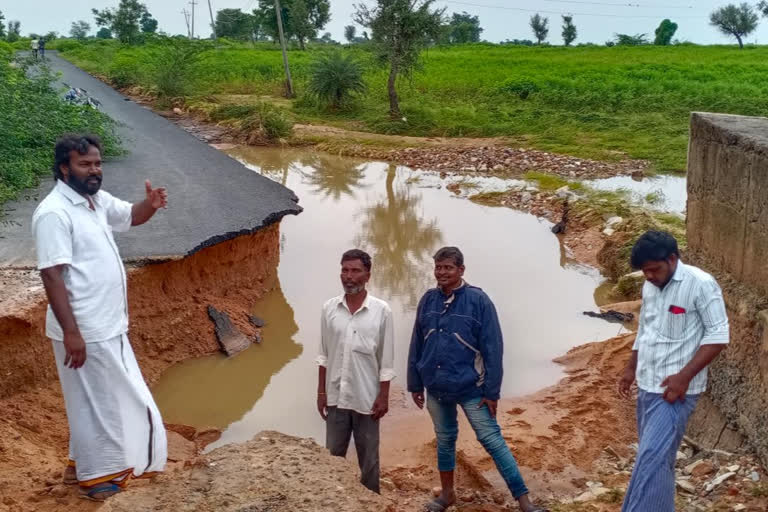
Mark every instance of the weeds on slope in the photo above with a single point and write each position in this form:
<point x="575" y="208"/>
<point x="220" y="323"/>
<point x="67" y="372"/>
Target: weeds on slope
<point x="32" y="116"/>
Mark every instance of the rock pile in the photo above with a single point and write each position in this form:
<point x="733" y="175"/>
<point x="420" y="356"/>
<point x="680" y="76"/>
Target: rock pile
<point x="498" y="159"/>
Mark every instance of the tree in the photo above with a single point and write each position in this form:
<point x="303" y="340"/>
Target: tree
<point x="629" y="40"/>
<point x="762" y="6"/>
<point x="665" y="33"/>
<point x="400" y="30"/>
<point x="148" y="23"/>
<point x="126" y="22"/>
<point x="334" y="78"/>
<point x="2" y="25"/>
<point x="464" y="28"/>
<point x="540" y="27"/>
<point x="350" y="33"/>
<point x="80" y="29"/>
<point x="569" y="30"/>
<point x="737" y="21"/>
<point x="236" y="24"/>
<point x="302" y="19"/>
<point x="104" y="33"/>
<point x="14" y="31"/>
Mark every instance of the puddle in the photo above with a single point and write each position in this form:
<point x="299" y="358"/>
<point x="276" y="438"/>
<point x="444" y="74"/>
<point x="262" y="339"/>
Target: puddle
<point x="400" y="221"/>
<point x="662" y="193"/>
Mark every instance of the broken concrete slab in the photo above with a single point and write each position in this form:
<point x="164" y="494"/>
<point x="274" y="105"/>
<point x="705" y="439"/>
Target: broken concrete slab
<point x="231" y="340"/>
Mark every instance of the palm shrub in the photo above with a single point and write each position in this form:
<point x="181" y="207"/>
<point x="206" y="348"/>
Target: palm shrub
<point x="334" y="78"/>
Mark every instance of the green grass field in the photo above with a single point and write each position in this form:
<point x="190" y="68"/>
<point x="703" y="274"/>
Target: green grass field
<point x="595" y="102"/>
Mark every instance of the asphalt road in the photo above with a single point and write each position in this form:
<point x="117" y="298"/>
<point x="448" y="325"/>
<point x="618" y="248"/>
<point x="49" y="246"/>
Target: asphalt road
<point x="212" y="197"/>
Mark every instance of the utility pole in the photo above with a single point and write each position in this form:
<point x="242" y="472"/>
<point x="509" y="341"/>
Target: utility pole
<point x="186" y="20"/>
<point x="288" y="81"/>
<point x="193" y="3"/>
<point x="213" y="24"/>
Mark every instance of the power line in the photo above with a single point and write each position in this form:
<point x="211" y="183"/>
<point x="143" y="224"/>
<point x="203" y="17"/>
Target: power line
<point x="623" y="4"/>
<point x="520" y="9"/>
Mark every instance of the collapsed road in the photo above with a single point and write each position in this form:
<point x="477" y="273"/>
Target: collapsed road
<point x="212" y="196"/>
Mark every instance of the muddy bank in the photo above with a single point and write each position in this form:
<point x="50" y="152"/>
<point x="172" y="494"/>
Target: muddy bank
<point x="169" y="323"/>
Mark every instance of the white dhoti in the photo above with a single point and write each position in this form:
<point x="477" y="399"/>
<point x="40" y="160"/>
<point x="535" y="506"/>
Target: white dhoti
<point x="115" y="428"/>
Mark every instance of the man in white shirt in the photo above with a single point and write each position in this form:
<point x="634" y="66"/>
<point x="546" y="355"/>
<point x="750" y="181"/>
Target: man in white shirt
<point x="116" y="431"/>
<point x="356" y="365"/>
<point x="683" y="327"/>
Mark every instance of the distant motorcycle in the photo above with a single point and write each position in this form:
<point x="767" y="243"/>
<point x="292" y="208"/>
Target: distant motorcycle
<point x="78" y="96"/>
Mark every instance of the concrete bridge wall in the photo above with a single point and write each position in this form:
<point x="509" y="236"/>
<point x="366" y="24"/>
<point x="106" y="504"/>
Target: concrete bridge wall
<point x="727" y="231"/>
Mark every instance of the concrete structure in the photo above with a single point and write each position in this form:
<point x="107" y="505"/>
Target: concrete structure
<point x="728" y="235"/>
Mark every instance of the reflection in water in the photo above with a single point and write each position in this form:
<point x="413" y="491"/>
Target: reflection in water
<point x="215" y="391"/>
<point x="340" y="177"/>
<point x="400" y="242"/>
<point x="513" y="256"/>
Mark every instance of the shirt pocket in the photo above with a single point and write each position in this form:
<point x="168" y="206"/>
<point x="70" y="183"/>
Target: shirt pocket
<point x="364" y="341"/>
<point x="674" y="325"/>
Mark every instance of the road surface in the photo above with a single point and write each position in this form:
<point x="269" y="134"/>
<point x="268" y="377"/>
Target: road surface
<point x="212" y="197"/>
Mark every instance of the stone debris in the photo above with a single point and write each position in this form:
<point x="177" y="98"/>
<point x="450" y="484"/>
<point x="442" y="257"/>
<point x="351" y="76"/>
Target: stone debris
<point x="506" y="159"/>
<point x="706" y="480"/>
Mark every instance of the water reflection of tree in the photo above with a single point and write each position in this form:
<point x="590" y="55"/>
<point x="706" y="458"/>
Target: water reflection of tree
<point x="400" y="241"/>
<point x="332" y="176"/>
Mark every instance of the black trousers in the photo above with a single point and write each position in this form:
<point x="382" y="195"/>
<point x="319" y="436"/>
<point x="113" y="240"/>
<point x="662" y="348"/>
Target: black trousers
<point x="343" y="424"/>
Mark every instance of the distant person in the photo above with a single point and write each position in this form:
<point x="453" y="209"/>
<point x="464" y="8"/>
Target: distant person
<point x="683" y="327"/>
<point x="356" y="365"/>
<point x="456" y="354"/>
<point x="41" y="46"/>
<point x="35" y="45"/>
<point x="116" y="431"/>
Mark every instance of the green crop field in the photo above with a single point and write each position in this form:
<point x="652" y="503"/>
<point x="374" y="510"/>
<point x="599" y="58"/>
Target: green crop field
<point x="595" y="102"/>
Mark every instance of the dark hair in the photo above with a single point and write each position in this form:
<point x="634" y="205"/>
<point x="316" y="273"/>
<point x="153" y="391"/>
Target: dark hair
<point x="72" y="142"/>
<point x="450" y="253"/>
<point x="357" y="254"/>
<point x="653" y="246"/>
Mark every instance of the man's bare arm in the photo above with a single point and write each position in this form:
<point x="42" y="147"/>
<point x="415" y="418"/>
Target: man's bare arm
<point x="677" y="385"/>
<point x="59" y="300"/>
<point x="322" y="398"/>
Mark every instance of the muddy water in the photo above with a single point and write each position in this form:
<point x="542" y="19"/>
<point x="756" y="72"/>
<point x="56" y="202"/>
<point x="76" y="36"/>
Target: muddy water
<point x="665" y="193"/>
<point x="400" y="218"/>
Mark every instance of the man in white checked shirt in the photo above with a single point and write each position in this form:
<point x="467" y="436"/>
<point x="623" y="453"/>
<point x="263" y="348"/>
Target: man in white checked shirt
<point x="683" y="327"/>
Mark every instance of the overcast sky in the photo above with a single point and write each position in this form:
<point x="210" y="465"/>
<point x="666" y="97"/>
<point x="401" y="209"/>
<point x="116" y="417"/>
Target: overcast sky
<point x="596" y="20"/>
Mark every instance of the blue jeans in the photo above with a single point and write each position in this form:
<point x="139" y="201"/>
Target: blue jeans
<point x="444" y="416"/>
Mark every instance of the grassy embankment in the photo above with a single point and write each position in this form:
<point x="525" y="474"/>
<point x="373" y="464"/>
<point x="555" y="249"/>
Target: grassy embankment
<point x="32" y="116"/>
<point x="594" y="102"/>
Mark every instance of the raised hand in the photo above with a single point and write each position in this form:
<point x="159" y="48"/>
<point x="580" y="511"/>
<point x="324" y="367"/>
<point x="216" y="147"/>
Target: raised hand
<point x="157" y="197"/>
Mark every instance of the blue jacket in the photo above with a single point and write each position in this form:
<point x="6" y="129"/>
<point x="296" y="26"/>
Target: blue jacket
<point x="456" y="347"/>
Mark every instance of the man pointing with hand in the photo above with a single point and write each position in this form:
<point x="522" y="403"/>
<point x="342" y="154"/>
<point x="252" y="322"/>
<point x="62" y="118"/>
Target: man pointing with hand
<point x="116" y="431"/>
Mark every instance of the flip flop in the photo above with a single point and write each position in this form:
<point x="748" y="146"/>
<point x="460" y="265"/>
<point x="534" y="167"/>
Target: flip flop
<point x="98" y="489"/>
<point x="436" y="505"/>
<point x="69" y="478"/>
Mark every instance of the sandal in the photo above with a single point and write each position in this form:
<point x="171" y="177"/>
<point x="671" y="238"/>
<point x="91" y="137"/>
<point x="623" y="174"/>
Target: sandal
<point x="437" y="505"/>
<point x="108" y="489"/>
<point x="70" y="476"/>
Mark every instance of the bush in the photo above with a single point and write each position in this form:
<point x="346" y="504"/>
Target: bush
<point x="334" y="78"/>
<point x="519" y="86"/>
<point x="172" y="64"/>
<point x="32" y="117"/>
<point x="65" y="45"/>
<point x="266" y="123"/>
<point x="125" y="70"/>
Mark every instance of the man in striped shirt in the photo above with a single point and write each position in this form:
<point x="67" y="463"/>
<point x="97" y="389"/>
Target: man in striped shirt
<point x="683" y="327"/>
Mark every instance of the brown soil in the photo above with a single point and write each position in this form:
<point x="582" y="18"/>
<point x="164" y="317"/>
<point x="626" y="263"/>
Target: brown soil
<point x="169" y="323"/>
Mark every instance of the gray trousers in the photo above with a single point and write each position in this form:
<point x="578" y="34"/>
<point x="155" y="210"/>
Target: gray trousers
<point x="340" y="426"/>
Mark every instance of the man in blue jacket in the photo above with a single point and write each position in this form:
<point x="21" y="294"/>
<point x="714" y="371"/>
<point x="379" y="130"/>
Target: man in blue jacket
<point x="456" y="354"/>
